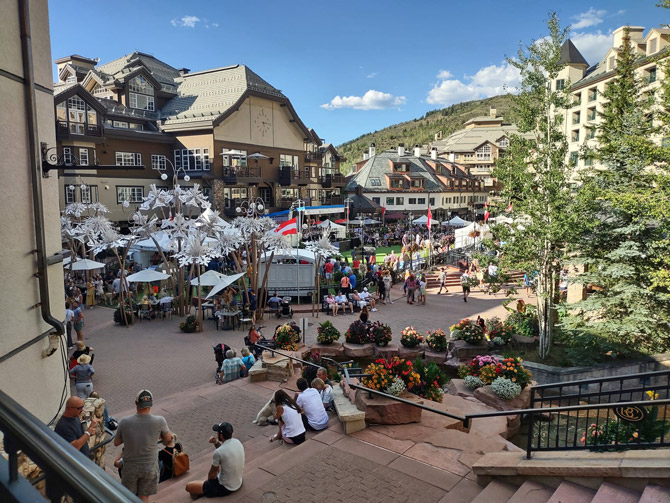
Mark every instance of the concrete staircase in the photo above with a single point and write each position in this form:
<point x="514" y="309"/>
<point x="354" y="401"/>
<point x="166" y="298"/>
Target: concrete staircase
<point x="454" y="278"/>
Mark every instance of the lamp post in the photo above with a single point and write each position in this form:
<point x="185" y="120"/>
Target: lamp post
<point x="299" y="206"/>
<point x="347" y="202"/>
<point x="175" y="172"/>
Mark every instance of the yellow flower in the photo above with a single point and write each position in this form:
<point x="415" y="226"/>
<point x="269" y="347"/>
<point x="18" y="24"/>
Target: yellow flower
<point x="635" y="434"/>
<point x="652" y="395"/>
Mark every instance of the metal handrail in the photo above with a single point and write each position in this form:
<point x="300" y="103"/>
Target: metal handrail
<point x="596" y="380"/>
<point x="67" y="469"/>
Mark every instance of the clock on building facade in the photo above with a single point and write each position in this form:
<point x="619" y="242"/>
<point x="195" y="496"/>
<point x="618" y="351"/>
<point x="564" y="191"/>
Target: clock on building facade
<point x="263" y="122"/>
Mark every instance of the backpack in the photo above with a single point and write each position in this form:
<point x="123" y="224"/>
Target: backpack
<point x="180" y="462"/>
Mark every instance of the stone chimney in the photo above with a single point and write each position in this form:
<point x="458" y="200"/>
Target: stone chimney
<point x="401" y="149"/>
<point x="183" y="71"/>
<point x="417" y="150"/>
<point x="365" y="156"/>
<point x="452" y="157"/>
<point x="372" y="151"/>
<point x="635" y="33"/>
<point x="438" y="135"/>
<point x="493" y="112"/>
<point x="433" y="153"/>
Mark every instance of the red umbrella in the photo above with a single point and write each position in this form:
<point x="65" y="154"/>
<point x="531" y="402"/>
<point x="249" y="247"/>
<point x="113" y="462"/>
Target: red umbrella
<point x="341" y="221"/>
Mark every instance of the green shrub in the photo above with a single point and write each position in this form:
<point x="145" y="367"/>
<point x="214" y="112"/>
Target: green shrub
<point x="327" y="333"/>
<point x="189" y="325"/>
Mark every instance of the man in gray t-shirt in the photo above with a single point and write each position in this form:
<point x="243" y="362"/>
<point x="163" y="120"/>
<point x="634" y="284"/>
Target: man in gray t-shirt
<point x="139" y="435"/>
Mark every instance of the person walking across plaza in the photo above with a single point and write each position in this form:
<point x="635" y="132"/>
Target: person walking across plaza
<point x="78" y="320"/>
<point x="139" y="434"/>
<point x="69" y="315"/>
<point x="225" y="474"/>
<point x="442" y="277"/>
<point x="465" y="284"/>
<point x="82" y="373"/>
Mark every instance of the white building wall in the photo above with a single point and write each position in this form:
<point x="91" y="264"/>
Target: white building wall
<point x="34" y="382"/>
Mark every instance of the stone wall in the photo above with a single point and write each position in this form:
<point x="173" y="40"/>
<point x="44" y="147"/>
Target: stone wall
<point x="546" y="374"/>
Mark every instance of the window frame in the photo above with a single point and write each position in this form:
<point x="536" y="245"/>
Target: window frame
<point x="126" y="160"/>
<point x="134" y="189"/>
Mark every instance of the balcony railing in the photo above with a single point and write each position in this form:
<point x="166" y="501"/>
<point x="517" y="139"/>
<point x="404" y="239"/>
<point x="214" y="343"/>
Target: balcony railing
<point x="77" y="129"/>
<point x="284" y="203"/>
<point x="68" y="472"/>
<point x="332" y="201"/>
<point x="338" y="179"/>
<point x="313" y="156"/>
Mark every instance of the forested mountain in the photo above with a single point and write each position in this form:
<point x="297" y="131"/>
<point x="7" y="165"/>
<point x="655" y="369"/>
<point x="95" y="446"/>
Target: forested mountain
<point x="422" y="130"/>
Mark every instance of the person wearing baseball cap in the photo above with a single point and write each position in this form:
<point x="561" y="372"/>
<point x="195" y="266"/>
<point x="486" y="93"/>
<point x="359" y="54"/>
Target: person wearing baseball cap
<point x="138" y="434"/>
<point x="225" y="474"/>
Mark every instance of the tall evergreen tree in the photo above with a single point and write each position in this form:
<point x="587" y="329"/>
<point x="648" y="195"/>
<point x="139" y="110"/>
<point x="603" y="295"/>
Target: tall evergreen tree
<point x="625" y="198"/>
<point x="536" y="176"/>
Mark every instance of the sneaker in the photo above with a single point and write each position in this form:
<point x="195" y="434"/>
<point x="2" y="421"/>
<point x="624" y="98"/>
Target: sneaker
<point x="464" y="299"/>
<point x="374" y="309"/>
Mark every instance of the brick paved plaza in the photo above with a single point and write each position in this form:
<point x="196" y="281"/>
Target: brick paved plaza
<point x="179" y="369"/>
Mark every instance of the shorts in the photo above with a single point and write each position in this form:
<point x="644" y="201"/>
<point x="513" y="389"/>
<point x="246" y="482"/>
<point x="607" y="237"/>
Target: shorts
<point x="212" y="489"/>
<point x="466" y="288"/>
<point x="78" y="326"/>
<point x="140" y="478"/>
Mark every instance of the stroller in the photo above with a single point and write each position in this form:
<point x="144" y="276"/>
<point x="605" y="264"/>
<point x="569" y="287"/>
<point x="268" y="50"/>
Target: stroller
<point x="285" y="308"/>
<point x="219" y="356"/>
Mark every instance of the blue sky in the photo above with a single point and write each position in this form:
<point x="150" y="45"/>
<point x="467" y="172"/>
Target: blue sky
<point x="349" y="67"/>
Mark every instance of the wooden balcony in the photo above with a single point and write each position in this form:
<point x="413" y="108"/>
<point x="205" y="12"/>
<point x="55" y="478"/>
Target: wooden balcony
<point x="332" y="201"/>
<point x="77" y="130"/>
<point x="339" y="180"/>
<point x="313" y="157"/>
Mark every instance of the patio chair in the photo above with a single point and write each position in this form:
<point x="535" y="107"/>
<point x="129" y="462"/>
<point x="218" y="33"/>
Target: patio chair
<point x="145" y="312"/>
<point x="166" y="309"/>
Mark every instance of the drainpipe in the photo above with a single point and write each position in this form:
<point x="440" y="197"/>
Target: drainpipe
<point x="35" y="171"/>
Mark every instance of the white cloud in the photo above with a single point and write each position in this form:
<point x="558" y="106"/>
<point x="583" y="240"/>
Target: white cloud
<point x="591" y="17"/>
<point x="593" y="46"/>
<point x="488" y="81"/>
<point x="371" y="75"/>
<point x="185" y="22"/>
<point x="371" y="100"/>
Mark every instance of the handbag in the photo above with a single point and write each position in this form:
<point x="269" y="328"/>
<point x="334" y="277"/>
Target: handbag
<point x="180" y="462"/>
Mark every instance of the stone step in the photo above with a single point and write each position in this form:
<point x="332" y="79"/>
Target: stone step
<point x="610" y="493"/>
<point x="495" y="492"/>
<point x="531" y="492"/>
<point x="655" y="494"/>
<point x="567" y="492"/>
<point x="352" y="419"/>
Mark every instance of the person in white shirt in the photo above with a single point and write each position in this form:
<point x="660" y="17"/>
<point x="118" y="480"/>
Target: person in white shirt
<point x="366" y="297"/>
<point x="314" y="415"/>
<point x="343" y="302"/>
<point x="225" y="474"/>
<point x="465" y="284"/>
<point x="493" y="270"/>
<point x="325" y="392"/>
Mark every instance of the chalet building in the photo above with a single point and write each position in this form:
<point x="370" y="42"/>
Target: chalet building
<point x="226" y="128"/>
<point x="478" y="146"/>
<point x="588" y="83"/>
<point x="407" y="183"/>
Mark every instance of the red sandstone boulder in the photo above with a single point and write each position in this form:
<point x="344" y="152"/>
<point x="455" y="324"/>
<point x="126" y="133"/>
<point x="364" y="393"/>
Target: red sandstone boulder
<point x="380" y="410"/>
<point x="334" y="349"/>
<point x="358" y="350"/>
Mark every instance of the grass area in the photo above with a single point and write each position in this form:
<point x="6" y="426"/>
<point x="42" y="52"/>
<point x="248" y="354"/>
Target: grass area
<point x="380" y="252"/>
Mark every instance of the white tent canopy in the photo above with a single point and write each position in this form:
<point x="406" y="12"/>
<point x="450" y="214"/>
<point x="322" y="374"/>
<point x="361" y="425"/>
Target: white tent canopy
<point x="147" y="276"/>
<point x="149" y="245"/>
<point x="225" y="282"/>
<point x="456" y="222"/>
<point x="423" y="220"/>
<point x="502" y="219"/>
<point x="86" y="265"/>
<point x="210" y="278"/>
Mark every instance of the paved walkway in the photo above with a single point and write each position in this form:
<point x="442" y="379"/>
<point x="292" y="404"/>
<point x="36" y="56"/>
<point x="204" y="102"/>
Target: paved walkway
<point x="398" y="463"/>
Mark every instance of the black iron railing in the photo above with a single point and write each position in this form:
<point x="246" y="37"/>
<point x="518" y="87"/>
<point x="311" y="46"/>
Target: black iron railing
<point x="68" y="472"/>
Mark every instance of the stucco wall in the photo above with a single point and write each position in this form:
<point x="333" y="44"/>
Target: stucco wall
<point x="34" y="382"/>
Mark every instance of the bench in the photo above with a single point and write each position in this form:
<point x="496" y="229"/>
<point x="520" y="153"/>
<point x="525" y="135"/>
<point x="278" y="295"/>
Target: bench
<point x="352" y="419"/>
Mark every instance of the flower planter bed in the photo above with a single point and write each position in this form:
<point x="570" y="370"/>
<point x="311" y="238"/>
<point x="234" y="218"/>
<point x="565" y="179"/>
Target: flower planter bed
<point x="387" y="352"/>
<point x="335" y="349"/>
<point x="434" y="356"/>
<point x="411" y="353"/>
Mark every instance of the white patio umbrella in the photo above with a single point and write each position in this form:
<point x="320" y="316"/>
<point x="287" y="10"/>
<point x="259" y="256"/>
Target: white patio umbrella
<point x="257" y="155"/>
<point x="371" y="221"/>
<point x="225" y="282"/>
<point x="147" y="276"/>
<point x="87" y="265"/>
<point x="210" y="278"/>
<point x="357" y="221"/>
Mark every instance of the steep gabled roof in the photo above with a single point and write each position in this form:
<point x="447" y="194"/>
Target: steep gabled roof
<point x="208" y="95"/>
<point x="570" y="55"/>
<point x="118" y="68"/>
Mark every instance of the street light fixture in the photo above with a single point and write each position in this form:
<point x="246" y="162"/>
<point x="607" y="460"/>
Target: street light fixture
<point x="299" y="206"/>
<point x="175" y="172"/>
<point x="347" y="202"/>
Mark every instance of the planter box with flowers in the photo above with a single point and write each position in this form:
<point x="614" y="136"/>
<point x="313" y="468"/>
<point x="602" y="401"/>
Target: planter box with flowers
<point x="410" y="341"/>
<point x="437" y="346"/>
<point x="380" y="333"/>
<point x="501" y="384"/>
<point x="287" y="338"/>
<point x="498" y="333"/>
<point x="327" y="336"/>
<point x="358" y="343"/>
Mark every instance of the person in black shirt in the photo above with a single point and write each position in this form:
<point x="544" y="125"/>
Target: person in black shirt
<point x="69" y="425"/>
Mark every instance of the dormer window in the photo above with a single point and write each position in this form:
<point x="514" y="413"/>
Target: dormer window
<point x="77" y="117"/>
<point x="612" y="62"/>
<point x="503" y="142"/>
<point x="141" y="94"/>
<point x="652" y="45"/>
<point x="416" y="183"/>
<point x="560" y="84"/>
<point x="396" y="184"/>
<point x="484" y="152"/>
<point x="400" y="168"/>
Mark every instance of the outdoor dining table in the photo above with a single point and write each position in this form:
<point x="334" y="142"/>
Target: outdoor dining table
<point x="227" y="319"/>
